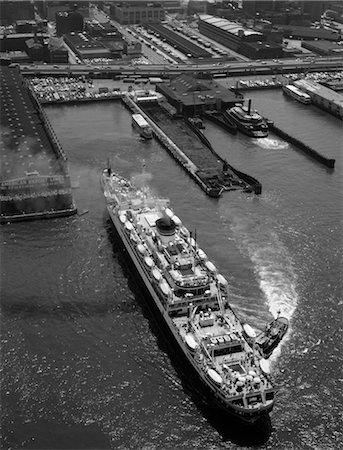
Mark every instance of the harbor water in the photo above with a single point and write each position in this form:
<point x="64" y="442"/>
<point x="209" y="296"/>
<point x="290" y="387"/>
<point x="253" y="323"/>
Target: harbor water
<point x="85" y="365"/>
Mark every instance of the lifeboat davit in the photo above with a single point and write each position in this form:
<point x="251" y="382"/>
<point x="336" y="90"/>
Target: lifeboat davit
<point x="215" y="376"/>
<point x="190" y="341"/>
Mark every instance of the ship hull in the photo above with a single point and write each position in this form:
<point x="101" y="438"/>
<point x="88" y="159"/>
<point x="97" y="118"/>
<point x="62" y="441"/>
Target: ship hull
<point x="165" y="324"/>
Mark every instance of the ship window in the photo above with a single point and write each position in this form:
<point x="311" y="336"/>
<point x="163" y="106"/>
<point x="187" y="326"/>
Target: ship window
<point x="227" y="350"/>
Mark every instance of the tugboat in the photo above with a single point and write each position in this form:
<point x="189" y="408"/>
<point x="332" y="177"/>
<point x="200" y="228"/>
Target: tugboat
<point x="247" y="121"/>
<point x="270" y="338"/>
<point x="191" y="299"/>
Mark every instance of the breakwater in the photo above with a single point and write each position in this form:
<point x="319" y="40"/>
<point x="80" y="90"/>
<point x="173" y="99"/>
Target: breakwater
<point x="328" y="162"/>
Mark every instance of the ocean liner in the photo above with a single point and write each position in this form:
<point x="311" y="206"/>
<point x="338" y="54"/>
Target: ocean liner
<point x="191" y="298"/>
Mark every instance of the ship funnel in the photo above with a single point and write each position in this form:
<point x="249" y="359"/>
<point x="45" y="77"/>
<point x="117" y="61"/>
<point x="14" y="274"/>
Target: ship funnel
<point x="249" y="105"/>
<point x="166" y="229"/>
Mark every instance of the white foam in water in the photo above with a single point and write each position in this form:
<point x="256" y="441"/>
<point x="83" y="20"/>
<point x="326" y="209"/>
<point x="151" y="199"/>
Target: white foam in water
<point x="272" y="264"/>
<point x="271" y="144"/>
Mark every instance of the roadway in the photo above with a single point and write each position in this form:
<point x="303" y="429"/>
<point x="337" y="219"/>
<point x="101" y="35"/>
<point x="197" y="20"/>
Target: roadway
<point x="227" y="69"/>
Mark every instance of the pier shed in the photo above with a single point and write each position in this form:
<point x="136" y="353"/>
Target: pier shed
<point x="34" y="177"/>
<point x="323" y="97"/>
<point x="190" y="95"/>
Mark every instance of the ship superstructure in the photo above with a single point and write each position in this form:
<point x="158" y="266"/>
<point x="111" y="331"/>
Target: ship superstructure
<point x="192" y="298"/>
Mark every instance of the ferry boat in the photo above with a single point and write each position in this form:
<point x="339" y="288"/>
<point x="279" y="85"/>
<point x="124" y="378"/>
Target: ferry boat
<point x="142" y="126"/>
<point x="191" y="299"/>
<point x="296" y="93"/>
<point x="247" y="121"/>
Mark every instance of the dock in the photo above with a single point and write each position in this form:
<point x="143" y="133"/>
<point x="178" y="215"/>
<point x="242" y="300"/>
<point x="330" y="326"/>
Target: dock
<point x="34" y="177"/>
<point x="210" y="171"/>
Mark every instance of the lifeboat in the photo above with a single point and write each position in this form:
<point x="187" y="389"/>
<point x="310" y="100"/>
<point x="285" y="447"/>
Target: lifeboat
<point x="190" y="341"/>
<point x="122" y="218"/>
<point x="215" y="376"/>
<point x="249" y="331"/>
<point x="156" y="274"/>
<point x="169" y="212"/>
<point x="176" y="220"/>
<point x="184" y="232"/>
<point x="165" y="288"/>
<point x="133" y="237"/>
<point x="148" y="261"/>
<point x="221" y="280"/>
<point x="210" y="266"/>
<point x="265" y="366"/>
<point x="128" y="226"/>
<point x="141" y="249"/>
<point x="202" y="254"/>
<point x="192" y="242"/>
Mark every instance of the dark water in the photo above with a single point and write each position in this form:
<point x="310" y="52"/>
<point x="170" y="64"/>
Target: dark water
<point x="83" y="363"/>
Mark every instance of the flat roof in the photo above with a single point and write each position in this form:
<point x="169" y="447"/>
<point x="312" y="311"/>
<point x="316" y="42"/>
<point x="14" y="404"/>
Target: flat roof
<point x="82" y="40"/>
<point x="24" y="143"/>
<point x="227" y="25"/>
<point x="193" y="91"/>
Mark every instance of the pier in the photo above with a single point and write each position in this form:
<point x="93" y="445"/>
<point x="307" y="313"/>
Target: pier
<point x="328" y="162"/>
<point x="211" y="172"/>
<point x="35" y="181"/>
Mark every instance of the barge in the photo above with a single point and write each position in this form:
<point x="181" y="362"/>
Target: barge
<point x="140" y="124"/>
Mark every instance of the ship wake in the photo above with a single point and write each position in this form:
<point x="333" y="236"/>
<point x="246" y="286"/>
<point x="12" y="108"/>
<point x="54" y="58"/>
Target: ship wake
<point x="272" y="263"/>
<point x="269" y="143"/>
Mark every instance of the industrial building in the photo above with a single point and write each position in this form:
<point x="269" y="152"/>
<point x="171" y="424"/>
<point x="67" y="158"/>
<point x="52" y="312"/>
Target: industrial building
<point x="10" y="11"/>
<point x="68" y="21"/>
<point x="191" y="96"/>
<point x="307" y="33"/>
<point x="102" y="30"/>
<point x="324" y="48"/>
<point x="84" y="46"/>
<point x="323" y="97"/>
<point x="137" y="12"/>
<point x="49" y="8"/>
<point x="246" y="41"/>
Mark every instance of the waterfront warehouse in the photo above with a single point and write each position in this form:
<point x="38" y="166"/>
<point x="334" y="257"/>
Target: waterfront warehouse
<point x="189" y="95"/>
<point x="323" y="97"/>
<point x="34" y="179"/>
